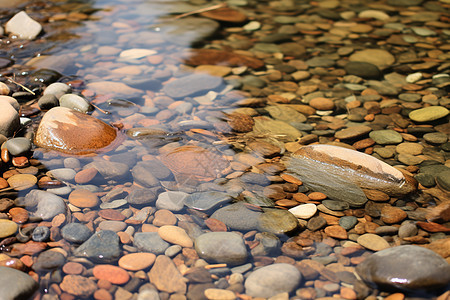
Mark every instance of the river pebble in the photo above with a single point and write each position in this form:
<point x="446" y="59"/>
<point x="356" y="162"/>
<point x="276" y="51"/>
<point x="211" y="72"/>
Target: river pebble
<point x="16" y="284"/>
<point x="137" y="261"/>
<point x="221" y="247"/>
<point x="76" y="233"/>
<point x="372" y="242"/>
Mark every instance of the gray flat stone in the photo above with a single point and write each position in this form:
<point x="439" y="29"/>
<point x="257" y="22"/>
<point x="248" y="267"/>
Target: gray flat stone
<point x="102" y="246"/>
<point x="16" y="284"/>
<point x="221" y="247"/>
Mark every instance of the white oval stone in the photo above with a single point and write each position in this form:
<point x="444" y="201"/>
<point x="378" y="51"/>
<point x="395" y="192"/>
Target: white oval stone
<point x="304" y="211"/>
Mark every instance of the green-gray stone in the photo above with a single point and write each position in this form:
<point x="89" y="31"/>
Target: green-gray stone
<point x="435" y="137"/>
<point x="221" y="247"/>
<point x="277" y="129"/>
<point x="285" y="113"/>
<point x="428" y="114"/>
<point x="386" y="137"/>
<point x="16" y="284"/>
<point x="277" y="221"/>
<point x="443" y="179"/>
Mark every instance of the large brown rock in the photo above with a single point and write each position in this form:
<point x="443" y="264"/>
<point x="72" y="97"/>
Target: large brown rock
<point x="68" y="131"/>
<point x="341" y="173"/>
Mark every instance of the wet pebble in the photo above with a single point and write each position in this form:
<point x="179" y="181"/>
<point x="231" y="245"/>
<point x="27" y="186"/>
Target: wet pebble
<point x="18" y="146"/>
<point x="304" y="211"/>
<point x="205" y="201"/>
<point x="237" y="216"/>
<point x="49" y="260"/>
<point x="40" y="234"/>
<point x="137" y="261"/>
<point x="7" y="228"/>
<point x="57" y="89"/>
<point x="48" y="204"/>
<point x="150" y="242"/>
<point x="101" y="246"/>
<point x="277" y="221"/>
<point x="372" y="242"/>
<point x="221" y="247"/>
<point x="75" y="102"/>
<point x="175" y="235"/>
<point x="16" y="284"/>
<point x="113" y="274"/>
<point x="76" y="233"/>
<point x="428" y="114"/>
<point x="386" y="137"/>
<point x="23" y="26"/>
<point x="63" y="174"/>
<point x="77" y="285"/>
<point x="348" y="222"/>
<point x="392" y="215"/>
<point x="171" y="200"/>
<point x="83" y="198"/>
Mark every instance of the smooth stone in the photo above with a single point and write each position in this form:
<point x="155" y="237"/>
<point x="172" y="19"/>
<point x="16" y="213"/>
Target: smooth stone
<point x="264" y="126"/>
<point x="443" y="179"/>
<point x="47" y="102"/>
<point x="404" y="2"/>
<point x="171" y="200"/>
<point x="63" y="174"/>
<point x="141" y="196"/>
<point x="40" y="234"/>
<point x="48" y="205"/>
<point x="335" y="205"/>
<point x="205" y="201"/>
<point x="175" y="235"/>
<point x="372" y="242"/>
<point x="165" y="276"/>
<point x="83" y="198"/>
<point x="191" y="85"/>
<point x="115" y="226"/>
<point x="113" y="204"/>
<point x="23" y="26"/>
<point x="77" y="285"/>
<point x="375" y="14"/>
<point x="386" y="137"/>
<point x="76" y="233"/>
<point x="18" y="146"/>
<point x="49" y="260"/>
<point x="428" y="114"/>
<point x="277" y="221"/>
<point x="436" y="137"/>
<point x="427" y="271"/>
<point x="352" y="132"/>
<point x="214" y="294"/>
<point x="304" y="211"/>
<point x="7" y="228"/>
<point x="22" y="182"/>
<point x="16" y="284"/>
<point x="118" y="89"/>
<point x="57" y="89"/>
<point x="75" y="102"/>
<point x="221" y="247"/>
<point x="407" y="229"/>
<point x="144" y="174"/>
<point x="136" y="53"/>
<point x="188" y="31"/>
<point x="409" y="148"/>
<point x="272" y="280"/>
<point x="137" y="261"/>
<point x="378" y="57"/>
<point x="237" y="217"/>
<point x="285" y="113"/>
<point x="72" y="132"/>
<point x="113" y="274"/>
<point x="102" y="246"/>
<point x="363" y="69"/>
<point x="340" y="173"/>
<point x="150" y="242"/>
<point x="348" y="222"/>
<point x="14" y="103"/>
<point x="110" y="170"/>
<point x="9" y="119"/>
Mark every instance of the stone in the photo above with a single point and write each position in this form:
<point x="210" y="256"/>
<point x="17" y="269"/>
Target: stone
<point x="372" y="242"/>
<point x="102" y="246"/>
<point x="348" y="222"/>
<point x="21" y="182"/>
<point x="428" y="114"/>
<point x="221" y="247"/>
<point x="47" y="102"/>
<point x="427" y="271"/>
<point x="409" y="148"/>
<point x="49" y="260"/>
<point x="378" y="57"/>
<point x="16" y="284"/>
<point x="57" y="89"/>
<point x="166" y="277"/>
<point x="237" y="217"/>
<point x="277" y="221"/>
<point x="272" y="280"/>
<point x="442" y="179"/>
<point x="18" y="146"/>
<point x="386" y="137"/>
<point x="374" y="14"/>
<point x="141" y="196"/>
<point x="192" y="85"/>
<point x="346" y="171"/>
<point x="72" y="132"/>
<point x="220" y="57"/>
<point x="150" y="242"/>
<point x="76" y="233"/>
<point x="321" y="103"/>
<point x="41" y="234"/>
<point x="118" y="89"/>
<point x="352" y="132"/>
<point x="188" y="31"/>
<point x="75" y="102"/>
<point x="171" y="200"/>
<point x="363" y="69"/>
<point x="109" y="170"/>
<point x="175" y="235"/>
<point x="23" y="26"/>
<point x="9" y="119"/>
<point x="63" y="174"/>
<point x="136" y="53"/>
<point x="435" y="137"/>
<point x="215" y="294"/>
<point x="336" y="231"/>
<point x="113" y="274"/>
<point x="47" y="204"/>
<point x="78" y="285"/>
<point x="137" y="261"/>
<point x="267" y="126"/>
<point x="83" y="198"/>
<point x="304" y="211"/>
<point x="7" y="228"/>
<point x="191" y="164"/>
<point x="225" y="14"/>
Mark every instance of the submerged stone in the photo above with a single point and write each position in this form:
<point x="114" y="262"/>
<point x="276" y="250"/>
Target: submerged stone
<point x="340" y="173"/>
<point x="72" y="132"/>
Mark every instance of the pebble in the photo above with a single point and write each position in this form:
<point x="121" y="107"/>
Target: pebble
<point x="336" y="231"/>
<point x="150" y="242"/>
<point x="164" y="217"/>
<point x="171" y="200"/>
<point x="95" y="133"/>
<point x="221" y="247"/>
<point x="219" y="294"/>
<point x="48" y="204"/>
<point x="76" y="233"/>
<point x="191" y="85"/>
<point x="7" y="228"/>
<point x="166" y="277"/>
<point x="113" y="274"/>
<point x="49" y="260"/>
<point x="109" y="169"/>
<point x="428" y="114"/>
<point x="9" y="119"/>
<point x="115" y="226"/>
<point x="375" y="14"/>
<point x="237" y="217"/>
<point x="75" y="102"/>
<point x="77" y="285"/>
<point x="63" y="174"/>
<point x="16" y="284"/>
<point x="353" y="132"/>
<point x="18" y="146"/>
<point x="272" y="280"/>
<point x="348" y="222"/>
<point x="435" y="137"/>
<point x="83" y="198"/>
<point x="335" y="205"/>
<point x="386" y="137"/>
<point x="175" y="235"/>
<point x="40" y="234"/>
<point x="137" y="261"/>
<point x="392" y="215"/>
<point x="304" y="211"/>
<point x="277" y="221"/>
<point x="205" y="201"/>
<point x="363" y="69"/>
<point x="378" y="57"/>
<point x="102" y="246"/>
<point x="372" y="242"/>
<point x="23" y="26"/>
<point x="321" y="103"/>
<point x="409" y="148"/>
<point x="427" y="271"/>
<point x="57" y="89"/>
<point x="22" y="182"/>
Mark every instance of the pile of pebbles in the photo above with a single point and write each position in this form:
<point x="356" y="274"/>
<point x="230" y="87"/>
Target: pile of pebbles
<point x="186" y="190"/>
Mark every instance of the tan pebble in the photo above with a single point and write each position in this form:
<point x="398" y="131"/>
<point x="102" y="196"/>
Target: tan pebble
<point x="164" y="217"/>
<point x="104" y="284"/>
<point x="321" y="103"/>
<point x="86" y="175"/>
<point x="22" y="182"/>
<point x="215" y="225"/>
<point x="392" y="215"/>
<point x="219" y="294"/>
<point x="113" y="274"/>
<point x="83" y="198"/>
<point x="124" y="237"/>
<point x="19" y="215"/>
<point x="7" y="228"/>
<point x="78" y="285"/>
<point x="3" y="183"/>
<point x="317" y="196"/>
<point x="396" y="296"/>
<point x="73" y="268"/>
<point x="137" y="261"/>
<point x="373" y="242"/>
<point x="348" y="293"/>
<point x="375" y="195"/>
<point x="175" y="235"/>
<point x="337" y="232"/>
<point x="58" y="220"/>
<point x="149" y="228"/>
<point x="102" y="294"/>
<point x="13" y="263"/>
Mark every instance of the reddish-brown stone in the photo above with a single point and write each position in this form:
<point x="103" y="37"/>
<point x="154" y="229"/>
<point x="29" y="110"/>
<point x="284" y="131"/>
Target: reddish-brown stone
<point x="19" y="215"/>
<point x="218" y="57"/>
<point x="86" y="175"/>
<point x="111" y="214"/>
<point x="113" y="274"/>
<point x="215" y="225"/>
<point x="226" y="14"/>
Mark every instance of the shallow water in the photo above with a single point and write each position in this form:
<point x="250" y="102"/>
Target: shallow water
<point x="180" y="132"/>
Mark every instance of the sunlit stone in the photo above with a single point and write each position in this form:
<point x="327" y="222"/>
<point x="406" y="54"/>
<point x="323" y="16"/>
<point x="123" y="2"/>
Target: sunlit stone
<point x="341" y="173"/>
<point x="72" y="132"/>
